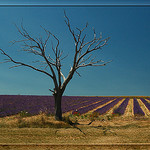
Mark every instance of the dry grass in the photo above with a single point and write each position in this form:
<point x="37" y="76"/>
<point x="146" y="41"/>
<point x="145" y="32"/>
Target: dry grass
<point x="41" y="120"/>
<point x="44" y="129"/>
<point x="75" y="147"/>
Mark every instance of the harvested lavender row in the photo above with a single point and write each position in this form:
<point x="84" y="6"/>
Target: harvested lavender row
<point x="148" y="98"/>
<point x="145" y="103"/>
<point x="92" y="106"/>
<point x="74" y="107"/>
<point x="105" y="108"/>
<point x="121" y="109"/>
<point x="137" y="109"/>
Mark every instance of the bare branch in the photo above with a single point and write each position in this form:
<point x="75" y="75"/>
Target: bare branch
<point x="31" y="50"/>
<point x="51" y="59"/>
<point x="78" y="73"/>
<point x="14" y="66"/>
<point x="58" y="54"/>
<point x="52" y="91"/>
<point x="81" y="51"/>
<point x="62" y="76"/>
<point x="14" y="41"/>
<point x="94" y="64"/>
<point x="40" y="45"/>
<point x="5" y="62"/>
<point x="94" y="34"/>
<point x="64" y="57"/>
<point x="97" y="47"/>
<point x="68" y="24"/>
<point x="23" y="64"/>
<point x="84" y="60"/>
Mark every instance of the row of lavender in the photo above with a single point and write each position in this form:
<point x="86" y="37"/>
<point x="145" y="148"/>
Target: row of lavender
<point x="88" y="108"/>
<point x="10" y="104"/>
<point x="13" y="104"/>
<point x="112" y="101"/>
<point x="121" y="109"/>
<point x="136" y="107"/>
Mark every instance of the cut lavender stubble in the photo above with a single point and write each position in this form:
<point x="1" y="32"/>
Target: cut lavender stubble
<point x="137" y="109"/>
<point x="107" y="107"/>
<point x="121" y="109"/>
<point x="93" y="106"/>
<point x="145" y="103"/>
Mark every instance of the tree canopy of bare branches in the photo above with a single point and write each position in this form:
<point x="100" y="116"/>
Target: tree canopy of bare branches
<point x="83" y="56"/>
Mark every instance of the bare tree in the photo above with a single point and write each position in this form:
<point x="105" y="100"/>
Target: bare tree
<point x="83" y="57"/>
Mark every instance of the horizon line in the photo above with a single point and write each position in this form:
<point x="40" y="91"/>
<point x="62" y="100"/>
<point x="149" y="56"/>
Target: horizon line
<point x="79" y="95"/>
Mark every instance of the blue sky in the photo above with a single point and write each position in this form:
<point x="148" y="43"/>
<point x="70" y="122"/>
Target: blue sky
<point x="77" y="2"/>
<point x="129" y="48"/>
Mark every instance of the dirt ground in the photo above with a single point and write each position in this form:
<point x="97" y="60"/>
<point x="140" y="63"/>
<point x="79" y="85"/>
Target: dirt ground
<point x="133" y="133"/>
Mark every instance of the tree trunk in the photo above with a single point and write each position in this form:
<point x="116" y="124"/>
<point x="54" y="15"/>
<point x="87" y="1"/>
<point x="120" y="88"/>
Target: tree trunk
<point x="58" y="111"/>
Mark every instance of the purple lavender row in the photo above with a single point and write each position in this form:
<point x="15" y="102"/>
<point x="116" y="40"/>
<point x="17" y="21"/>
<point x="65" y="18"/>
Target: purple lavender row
<point x="9" y="99"/>
<point x="32" y="104"/>
<point x="105" y="108"/>
<point x="71" y="101"/>
<point x="121" y="109"/>
<point x="89" y="100"/>
<point x="74" y="100"/>
<point x="13" y="104"/>
<point x="74" y="107"/>
<point x="148" y="99"/>
<point x="137" y="109"/>
<point x="145" y="103"/>
<point x="92" y="106"/>
<point x="12" y="99"/>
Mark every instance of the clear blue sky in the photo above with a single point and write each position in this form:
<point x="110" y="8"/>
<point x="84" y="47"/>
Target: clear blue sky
<point x="80" y="2"/>
<point x="129" y="48"/>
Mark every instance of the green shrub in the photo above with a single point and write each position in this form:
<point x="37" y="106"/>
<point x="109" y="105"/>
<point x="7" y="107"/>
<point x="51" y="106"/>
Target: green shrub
<point x="94" y="116"/>
<point x="76" y="113"/>
<point x="109" y="117"/>
<point x="24" y="114"/>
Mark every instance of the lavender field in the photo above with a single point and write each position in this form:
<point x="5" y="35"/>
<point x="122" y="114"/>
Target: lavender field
<point x="14" y="104"/>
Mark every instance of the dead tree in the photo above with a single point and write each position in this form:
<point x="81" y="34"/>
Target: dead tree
<point x="83" y="57"/>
